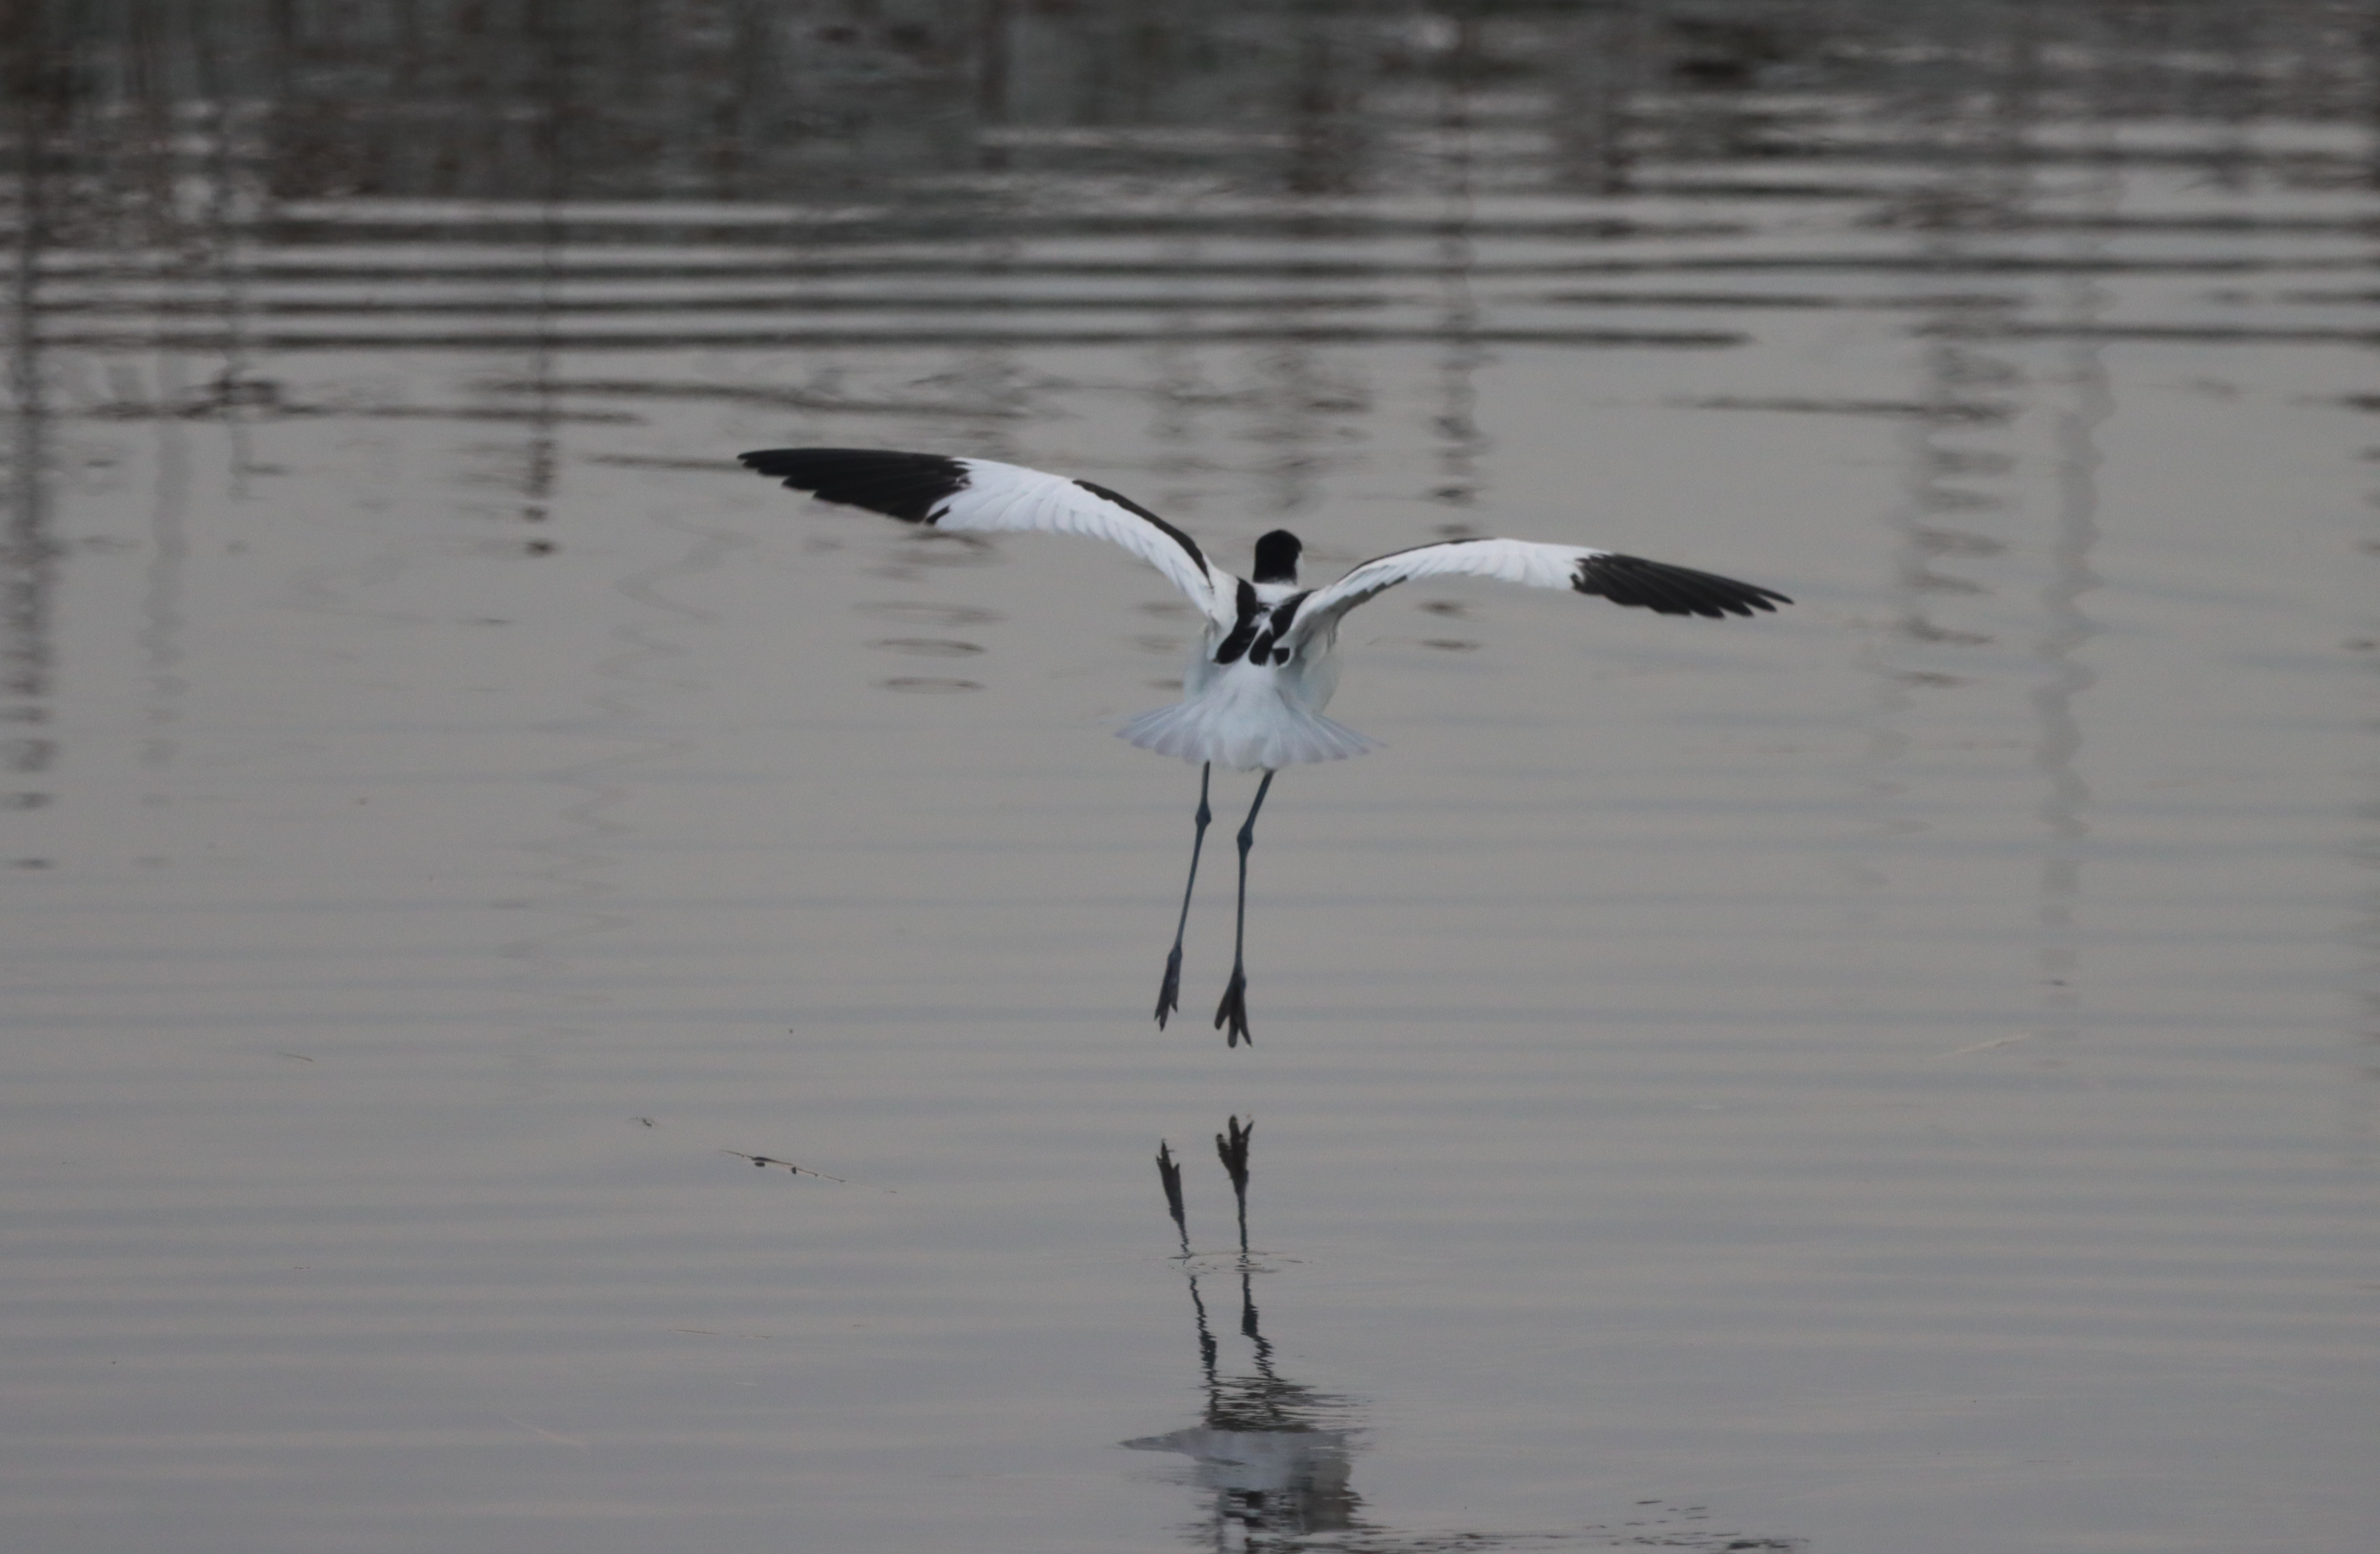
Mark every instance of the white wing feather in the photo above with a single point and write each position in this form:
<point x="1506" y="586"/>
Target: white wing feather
<point x="1012" y="497"/>
<point x="983" y="495"/>
<point x="1622" y="580"/>
<point x="1511" y="561"/>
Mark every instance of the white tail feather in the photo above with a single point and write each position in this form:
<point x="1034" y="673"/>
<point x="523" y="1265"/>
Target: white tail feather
<point x="1214" y="729"/>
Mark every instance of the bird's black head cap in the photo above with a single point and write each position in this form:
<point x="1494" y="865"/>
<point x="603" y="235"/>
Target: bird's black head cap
<point x="1277" y="556"/>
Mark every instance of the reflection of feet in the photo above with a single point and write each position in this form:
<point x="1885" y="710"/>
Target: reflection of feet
<point x="1234" y="1008"/>
<point x="1169" y="997"/>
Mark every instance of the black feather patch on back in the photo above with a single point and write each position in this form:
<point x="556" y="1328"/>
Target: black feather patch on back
<point x="1276" y="626"/>
<point x="1671" y="591"/>
<point x="905" y="486"/>
<point x="1252" y="615"/>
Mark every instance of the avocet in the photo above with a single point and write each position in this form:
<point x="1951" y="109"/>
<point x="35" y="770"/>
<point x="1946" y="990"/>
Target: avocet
<point x="1252" y="700"/>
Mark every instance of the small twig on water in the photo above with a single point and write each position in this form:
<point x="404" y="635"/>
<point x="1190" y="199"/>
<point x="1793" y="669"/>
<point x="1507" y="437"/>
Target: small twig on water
<point x="764" y="1161"/>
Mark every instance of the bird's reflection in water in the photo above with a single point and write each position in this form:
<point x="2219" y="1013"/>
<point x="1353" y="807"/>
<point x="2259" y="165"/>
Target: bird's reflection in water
<point x="1274" y="1456"/>
<point x="1273" y="1451"/>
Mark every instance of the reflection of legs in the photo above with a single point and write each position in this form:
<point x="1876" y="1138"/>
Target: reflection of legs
<point x="1234" y="1007"/>
<point x="1169" y="997"/>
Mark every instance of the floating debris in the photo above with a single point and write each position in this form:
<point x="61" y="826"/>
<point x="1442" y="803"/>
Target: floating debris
<point x="765" y="1161"/>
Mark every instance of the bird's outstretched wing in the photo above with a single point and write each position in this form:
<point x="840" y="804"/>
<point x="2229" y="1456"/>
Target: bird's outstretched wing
<point x="1651" y="584"/>
<point x="977" y="494"/>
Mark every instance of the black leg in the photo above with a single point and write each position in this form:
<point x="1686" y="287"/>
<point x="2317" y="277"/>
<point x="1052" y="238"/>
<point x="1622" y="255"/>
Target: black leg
<point x="1169" y="997"/>
<point x="1234" y="1007"/>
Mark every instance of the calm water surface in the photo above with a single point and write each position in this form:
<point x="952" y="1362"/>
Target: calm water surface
<point x="1896" y="1075"/>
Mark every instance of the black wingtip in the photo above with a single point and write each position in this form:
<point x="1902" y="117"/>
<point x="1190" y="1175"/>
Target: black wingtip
<point x="906" y="486"/>
<point x="1671" y="591"/>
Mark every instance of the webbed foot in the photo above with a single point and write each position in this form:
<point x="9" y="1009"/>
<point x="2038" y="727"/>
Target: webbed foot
<point x="1169" y="997"/>
<point x="1233" y="1010"/>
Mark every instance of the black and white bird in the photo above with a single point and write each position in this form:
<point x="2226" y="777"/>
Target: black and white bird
<point x="1252" y="700"/>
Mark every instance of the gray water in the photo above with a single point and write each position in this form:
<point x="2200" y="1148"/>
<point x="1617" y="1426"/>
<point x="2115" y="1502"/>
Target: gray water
<point x="1895" y="1075"/>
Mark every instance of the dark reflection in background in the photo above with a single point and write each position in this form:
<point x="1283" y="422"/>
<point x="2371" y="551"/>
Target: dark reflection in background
<point x="236" y="180"/>
<point x="37" y="101"/>
<point x="960" y="111"/>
